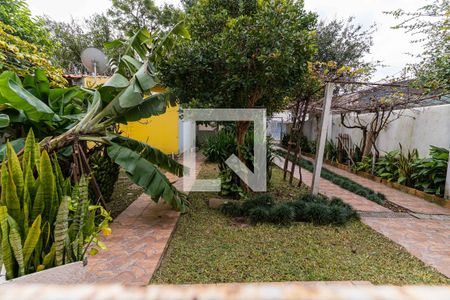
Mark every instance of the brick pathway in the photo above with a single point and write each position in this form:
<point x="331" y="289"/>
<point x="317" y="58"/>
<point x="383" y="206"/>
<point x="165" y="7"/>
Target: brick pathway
<point x="425" y="234"/>
<point x="405" y="200"/>
<point x="140" y="236"/>
<point x="329" y="189"/>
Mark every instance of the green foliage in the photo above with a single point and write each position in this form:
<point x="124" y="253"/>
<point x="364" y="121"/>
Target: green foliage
<point x="132" y="93"/>
<point x="17" y="15"/>
<point x="231" y="208"/>
<point x="39" y="215"/>
<point x="23" y="58"/>
<point x="341" y="181"/>
<point x="105" y="171"/>
<point x="431" y="23"/>
<point x="425" y="174"/>
<point x="31" y="103"/>
<point x="71" y="38"/>
<point x="308" y="208"/>
<point x="345" y="43"/>
<point x="282" y="214"/>
<point x="430" y="173"/>
<point x="128" y="16"/>
<point x="231" y="58"/>
<point x="220" y="146"/>
<point x="264" y="200"/>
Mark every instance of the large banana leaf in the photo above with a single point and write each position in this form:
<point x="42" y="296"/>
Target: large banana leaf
<point x="17" y="144"/>
<point x="151" y="154"/>
<point x="146" y="175"/>
<point x="38" y="84"/>
<point x="153" y="105"/>
<point x="14" y="95"/>
<point x="4" y="120"/>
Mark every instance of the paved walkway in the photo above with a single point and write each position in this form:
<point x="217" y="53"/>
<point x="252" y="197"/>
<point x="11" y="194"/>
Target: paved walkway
<point x="413" y="203"/>
<point x="425" y="235"/>
<point x="139" y="239"/>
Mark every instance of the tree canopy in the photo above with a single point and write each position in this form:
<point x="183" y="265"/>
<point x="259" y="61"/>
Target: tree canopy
<point x="241" y="56"/>
<point x="16" y="14"/>
<point x="430" y="26"/>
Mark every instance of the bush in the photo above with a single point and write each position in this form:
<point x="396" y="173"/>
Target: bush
<point x="264" y="200"/>
<point x="259" y="215"/>
<point x="318" y="210"/>
<point x="282" y="214"/>
<point x="232" y="209"/>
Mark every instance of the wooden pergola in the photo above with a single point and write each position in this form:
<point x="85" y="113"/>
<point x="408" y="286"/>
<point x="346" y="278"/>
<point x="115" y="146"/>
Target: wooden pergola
<point x="406" y="98"/>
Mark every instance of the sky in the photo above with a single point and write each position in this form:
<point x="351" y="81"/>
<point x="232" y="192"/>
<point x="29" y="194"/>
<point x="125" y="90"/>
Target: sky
<point x="391" y="47"/>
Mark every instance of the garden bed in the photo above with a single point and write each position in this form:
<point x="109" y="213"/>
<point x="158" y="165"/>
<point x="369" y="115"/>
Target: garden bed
<point x="403" y="188"/>
<point x="209" y="247"/>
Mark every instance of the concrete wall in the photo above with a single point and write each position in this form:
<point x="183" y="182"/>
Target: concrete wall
<point x="418" y="128"/>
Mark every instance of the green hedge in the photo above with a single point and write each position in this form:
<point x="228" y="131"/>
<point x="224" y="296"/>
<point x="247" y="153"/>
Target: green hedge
<point x="341" y="181"/>
<point x="308" y="208"/>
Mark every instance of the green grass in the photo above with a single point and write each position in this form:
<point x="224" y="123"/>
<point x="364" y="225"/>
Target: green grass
<point x="209" y="247"/>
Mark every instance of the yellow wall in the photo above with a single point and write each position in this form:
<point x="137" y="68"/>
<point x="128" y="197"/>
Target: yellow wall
<point x="160" y="132"/>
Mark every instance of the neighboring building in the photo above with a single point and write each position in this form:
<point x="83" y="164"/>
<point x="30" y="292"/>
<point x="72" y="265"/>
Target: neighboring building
<point x="161" y="132"/>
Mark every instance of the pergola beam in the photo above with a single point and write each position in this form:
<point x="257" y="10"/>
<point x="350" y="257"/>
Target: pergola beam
<point x="447" y="182"/>
<point x="322" y="137"/>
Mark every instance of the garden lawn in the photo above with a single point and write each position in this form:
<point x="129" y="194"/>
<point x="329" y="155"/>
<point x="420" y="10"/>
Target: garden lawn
<point x="209" y="247"/>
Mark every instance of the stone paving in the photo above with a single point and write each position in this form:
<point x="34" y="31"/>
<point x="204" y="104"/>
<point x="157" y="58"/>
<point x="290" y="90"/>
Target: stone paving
<point x="413" y="203"/>
<point x="425" y="233"/>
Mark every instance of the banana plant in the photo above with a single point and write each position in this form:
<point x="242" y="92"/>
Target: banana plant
<point x="132" y="93"/>
<point x="44" y="221"/>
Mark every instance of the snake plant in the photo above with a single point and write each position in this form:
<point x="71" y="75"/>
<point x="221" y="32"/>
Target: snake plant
<point x="44" y="221"/>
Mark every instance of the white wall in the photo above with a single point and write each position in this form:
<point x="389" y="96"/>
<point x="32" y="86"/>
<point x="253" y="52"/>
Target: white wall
<point x="418" y="128"/>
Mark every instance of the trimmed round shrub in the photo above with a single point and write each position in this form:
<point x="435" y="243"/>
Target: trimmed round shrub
<point x="259" y="215"/>
<point x="232" y="209"/>
<point x="282" y="214"/>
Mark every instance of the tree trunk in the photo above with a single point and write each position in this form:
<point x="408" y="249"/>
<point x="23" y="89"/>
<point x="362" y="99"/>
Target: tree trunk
<point x="241" y="131"/>
<point x="368" y="144"/>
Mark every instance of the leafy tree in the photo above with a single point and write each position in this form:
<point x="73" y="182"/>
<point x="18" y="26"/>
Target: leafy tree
<point x="15" y="13"/>
<point x="345" y="43"/>
<point x="71" y="38"/>
<point x="430" y="26"/>
<point x="128" y="16"/>
<point x="242" y="54"/>
<point x="24" y="58"/>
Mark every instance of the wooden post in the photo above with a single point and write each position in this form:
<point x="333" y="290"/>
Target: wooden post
<point x="447" y="181"/>
<point x="320" y="151"/>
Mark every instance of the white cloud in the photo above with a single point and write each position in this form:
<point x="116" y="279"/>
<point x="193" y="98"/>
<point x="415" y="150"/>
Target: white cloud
<point x="390" y="46"/>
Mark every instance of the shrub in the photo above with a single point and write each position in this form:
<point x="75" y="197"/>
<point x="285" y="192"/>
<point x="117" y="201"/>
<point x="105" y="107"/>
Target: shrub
<point x="259" y="215"/>
<point x="45" y="221"/>
<point x="232" y="209"/>
<point x="282" y="214"/>
<point x="317" y="209"/>
<point x="264" y="200"/>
